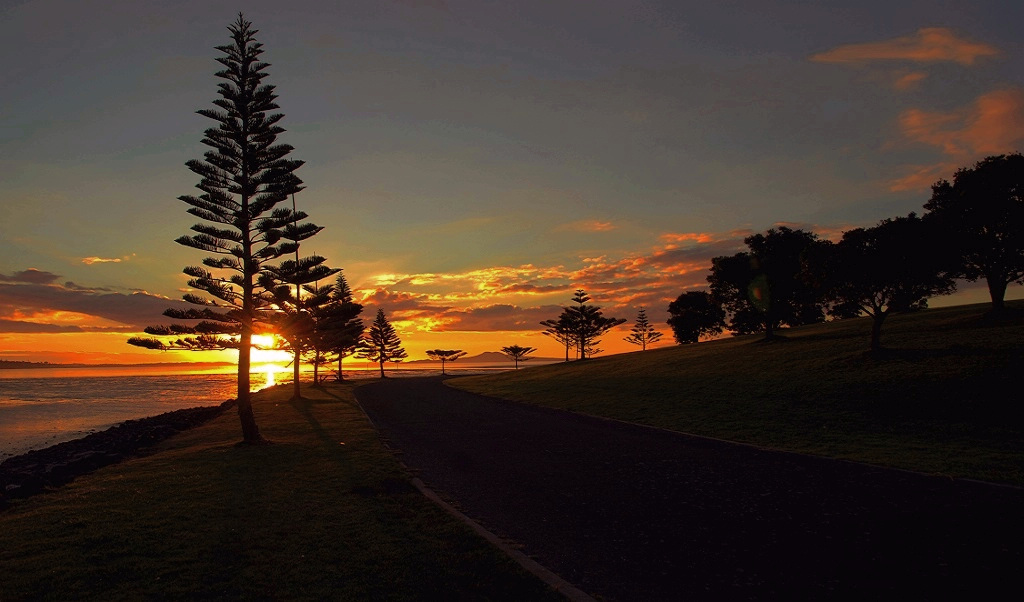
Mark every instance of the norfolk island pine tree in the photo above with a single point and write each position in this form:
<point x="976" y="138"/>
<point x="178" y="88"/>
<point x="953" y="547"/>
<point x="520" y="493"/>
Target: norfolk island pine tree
<point x="381" y="343"/>
<point x="243" y="180"/>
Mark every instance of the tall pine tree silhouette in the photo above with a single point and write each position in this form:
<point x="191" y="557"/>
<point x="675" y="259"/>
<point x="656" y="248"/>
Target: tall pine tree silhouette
<point x="382" y="343"/>
<point x="642" y="333"/>
<point x="243" y="179"/>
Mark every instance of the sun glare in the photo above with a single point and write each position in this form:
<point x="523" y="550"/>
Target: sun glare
<point x="264" y="341"/>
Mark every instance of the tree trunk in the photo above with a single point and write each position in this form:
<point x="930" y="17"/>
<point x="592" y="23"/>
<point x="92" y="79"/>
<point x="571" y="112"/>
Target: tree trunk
<point x="997" y="290"/>
<point x="876" y="330"/>
<point x="769" y="329"/>
<point x="296" y="385"/>
<point x="341" y="375"/>
<point x="382" y="369"/>
<point x="250" y="432"/>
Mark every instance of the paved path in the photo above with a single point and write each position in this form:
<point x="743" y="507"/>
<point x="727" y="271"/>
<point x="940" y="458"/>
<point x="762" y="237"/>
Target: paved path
<point x="631" y="513"/>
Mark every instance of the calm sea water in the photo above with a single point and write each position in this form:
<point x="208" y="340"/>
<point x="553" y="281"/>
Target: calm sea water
<point x="43" y="407"/>
<point x="39" y="411"/>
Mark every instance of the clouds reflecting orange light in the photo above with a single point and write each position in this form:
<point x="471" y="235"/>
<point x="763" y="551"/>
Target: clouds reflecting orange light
<point x="929" y="44"/>
<point x="992" y="124"/>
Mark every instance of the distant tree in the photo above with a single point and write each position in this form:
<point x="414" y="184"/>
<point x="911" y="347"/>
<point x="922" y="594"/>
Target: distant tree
<point x="244" y="178"/>
<point x="445" y="355"/>
<point x="296" y="319"/>
<point x="762" y="289"/>
<point x="562" y="330"/>
<point x="982" y="212"/>
<point x="643" y="333"/>
<point x="340" y="329"/>
<point x="517" y="353"/>
<point x="587" y="324"/>
<point x="381" y="343"/>
<point x="695" y="314"/>
<point x="892" y="267"/>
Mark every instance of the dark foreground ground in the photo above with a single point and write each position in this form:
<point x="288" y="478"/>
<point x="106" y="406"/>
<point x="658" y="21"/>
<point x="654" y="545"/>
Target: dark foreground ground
<point x="39" y="470"/>
<point x="632" y="513"/>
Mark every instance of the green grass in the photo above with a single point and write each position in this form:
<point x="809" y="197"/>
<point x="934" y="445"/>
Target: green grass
<point x="942" y="398"/>
<point x="323" y="513"/>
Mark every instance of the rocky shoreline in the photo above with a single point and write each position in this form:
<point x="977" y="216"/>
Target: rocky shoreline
<point x="41" y="470"/>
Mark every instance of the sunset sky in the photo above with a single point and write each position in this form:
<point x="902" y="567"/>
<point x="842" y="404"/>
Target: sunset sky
<point x="474" y="162"/>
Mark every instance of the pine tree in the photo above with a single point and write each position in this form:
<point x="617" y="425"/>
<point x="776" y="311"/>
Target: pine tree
<point x="643" y="333"/>
<point x="340" y="329"/>
<point x="382" y="343"/>
<point x="243" y="179"/>
<point x="518" y="353"/>
<point x="296" y="322"/>
<point x="562" y="330"/>
<point x="587" y="324"/>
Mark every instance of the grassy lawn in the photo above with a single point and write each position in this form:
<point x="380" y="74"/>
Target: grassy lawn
<point x="942" y="398"/>
<point x="323" y="513"/>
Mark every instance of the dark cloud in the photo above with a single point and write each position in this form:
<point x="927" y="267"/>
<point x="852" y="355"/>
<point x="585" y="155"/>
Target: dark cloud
<point x="134" y="311"/>
<point x="76" y="287"/>
<point x="18" y="327"/>
<point x="498" y="317"/>
<point x="31" y="276"/>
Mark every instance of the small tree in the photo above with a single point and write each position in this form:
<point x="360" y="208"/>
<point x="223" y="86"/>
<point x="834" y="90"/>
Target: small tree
<point x="340" y="329"/>
<point x="581" y="325"/>
<point x="562" y="330"/>
<point x="296" y="321"/>
<point x="643" y="333"/>
<point x="445" y="355"/>
<point x="982" y="214"/>
<point x="381" y="343"/>
<point x="695" y="314"/>
<point x="893" y="267"/>
<point x="243" y="179"/>
<point x="517" y="353"/>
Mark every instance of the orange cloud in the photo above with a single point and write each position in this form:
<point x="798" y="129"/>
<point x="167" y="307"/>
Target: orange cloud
<point x="676" y="238"/>
<point x="930" y="44"/>
<point x="92" y="260"/>
<point x="907" y="81"/>
<point x="591" y="225"/>
<point x="992" y="124"/>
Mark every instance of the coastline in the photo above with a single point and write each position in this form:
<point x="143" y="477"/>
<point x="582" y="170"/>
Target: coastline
<point x="37" y="471"/>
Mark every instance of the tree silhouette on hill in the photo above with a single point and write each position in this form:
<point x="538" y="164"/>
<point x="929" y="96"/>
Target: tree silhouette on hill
<point x="580" y="325"/>
<point x="762" y="289"/>
<point x="894" y="266"/>
<point x="982" y="214"/>
<point x="695" y="314"/>
<point x="643" y="333"/>
<point x="244" y="177"/>
<point x="381" y="343"/>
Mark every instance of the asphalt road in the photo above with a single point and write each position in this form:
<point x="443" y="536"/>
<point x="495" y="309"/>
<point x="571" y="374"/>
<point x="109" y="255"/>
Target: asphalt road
<point x="631" y="513"/>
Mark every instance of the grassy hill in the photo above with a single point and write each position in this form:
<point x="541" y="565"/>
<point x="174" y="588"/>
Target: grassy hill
<point x="943" y="397"/>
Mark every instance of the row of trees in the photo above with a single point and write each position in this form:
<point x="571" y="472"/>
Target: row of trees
<point x="973" y="229"/>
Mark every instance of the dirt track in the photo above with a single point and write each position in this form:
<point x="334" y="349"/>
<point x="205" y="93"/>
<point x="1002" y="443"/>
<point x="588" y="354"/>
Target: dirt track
<point x="632" y="513"/>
